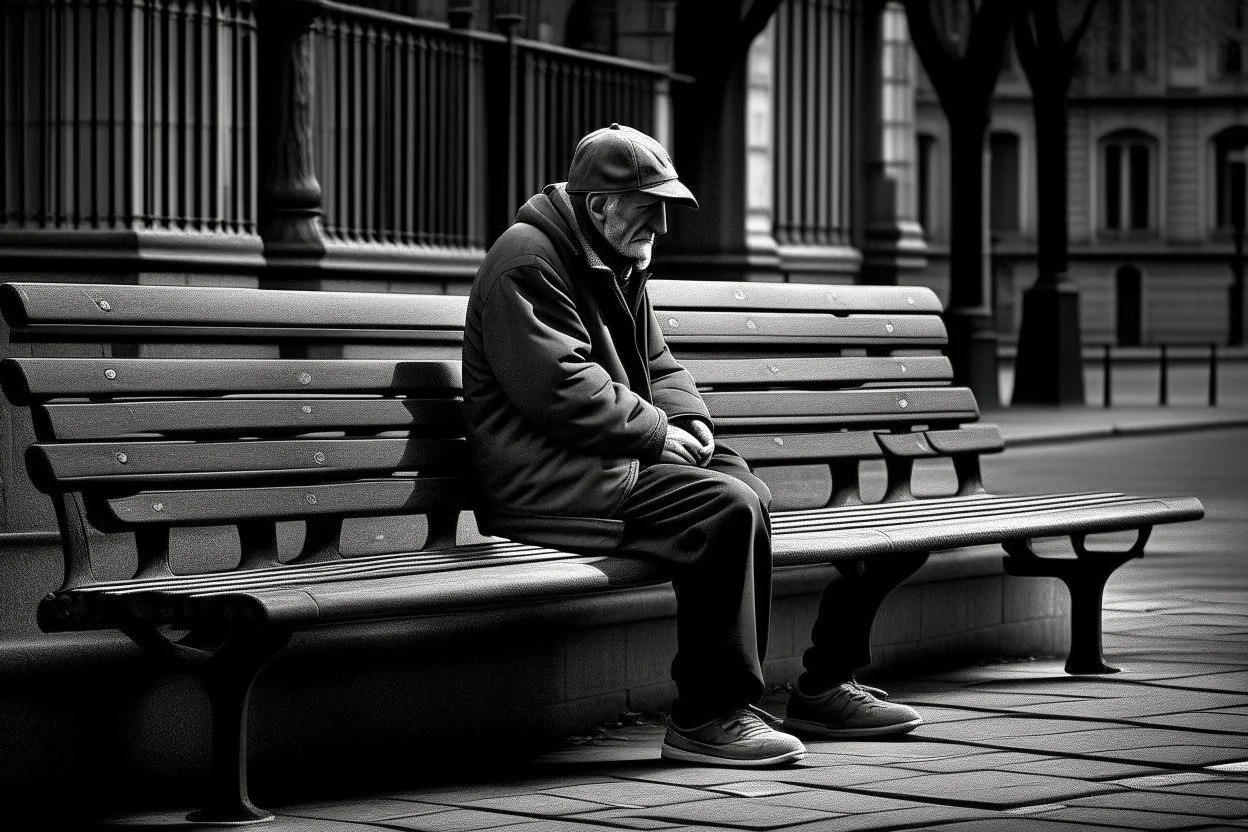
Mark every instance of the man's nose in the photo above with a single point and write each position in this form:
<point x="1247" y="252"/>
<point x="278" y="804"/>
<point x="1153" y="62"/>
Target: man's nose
<point x="658" y="220"/>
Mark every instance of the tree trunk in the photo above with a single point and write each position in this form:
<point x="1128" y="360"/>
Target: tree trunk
<point x="968" y="314"/>
<point x="1049" y="106"/>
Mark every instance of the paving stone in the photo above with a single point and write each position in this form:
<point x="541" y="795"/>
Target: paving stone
<point x="1079" y="769"/>
<point x="1139" y="701"/>
<point x="538" y="803"/>
<point x="1202" y="720"/>
<point x="175" y="821"/>
<point x="923" y="817"/>
<point x="991" y="789"/>
<point x="1172" y="802"/>
<point x="1108" y="739"/>
<point x="841" y="801"/>
<point x="908" y="747"/>
<point x="631" y="794"/>
<point x="609" y="818"/>
<point x="1170" y="779"/>
<point x="976" y="762"/>
<point x="364" y="810"/>
<point x="546" y="825"/>
<point x="1238" y="766"/>
<point x="755" y="788"/>
<point x="1234" y="789"/>
<point x="732" y="812"/>
<point x="1233" y="682"/>
<point x="835" y="776"/>
<point x="466" y="794"/>
<point x="456" y="820"/>
<point x="935" y="713"/>
<point x="989" y="699"/>
<point x="1007" y="726"/>
<point x="699" y="776"/>
<point x="1127" y="818"/>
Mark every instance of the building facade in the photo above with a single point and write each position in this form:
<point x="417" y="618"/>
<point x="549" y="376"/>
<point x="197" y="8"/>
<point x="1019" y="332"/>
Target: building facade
<point x="1158" y="124"/>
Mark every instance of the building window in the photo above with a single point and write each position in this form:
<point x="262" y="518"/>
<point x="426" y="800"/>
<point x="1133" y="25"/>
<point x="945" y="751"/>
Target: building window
<point x="1231" y="57"/>
<point x="1128" y="36"/>
<point x="1128" y="181"/>
<point x="1004" y="183"/>
<point x="926" y="169"/>
<point x="1230" y="176"/>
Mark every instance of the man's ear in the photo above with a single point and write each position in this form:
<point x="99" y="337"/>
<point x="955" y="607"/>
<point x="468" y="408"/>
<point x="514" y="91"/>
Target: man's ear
<point x="597" y="205"/>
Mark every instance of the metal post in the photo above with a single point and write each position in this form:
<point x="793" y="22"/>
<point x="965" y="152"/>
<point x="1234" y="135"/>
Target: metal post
<point x="1213" y="375"/>
<point x="1108" y="382"/>
<point x="1165" y="377"/>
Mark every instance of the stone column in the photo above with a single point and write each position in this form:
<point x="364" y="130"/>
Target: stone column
<point x="290" y="195"/>
<point x="893" y="242"/>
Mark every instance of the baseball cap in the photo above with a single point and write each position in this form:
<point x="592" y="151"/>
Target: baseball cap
<point x="618" y="158"/>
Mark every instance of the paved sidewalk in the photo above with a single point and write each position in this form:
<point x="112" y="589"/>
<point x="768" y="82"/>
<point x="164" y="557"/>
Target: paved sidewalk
<point x="1037" y="425"/>
<point x="1005" y="746"/>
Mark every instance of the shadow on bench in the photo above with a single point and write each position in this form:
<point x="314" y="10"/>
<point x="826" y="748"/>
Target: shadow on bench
<point x="360" y="417"/>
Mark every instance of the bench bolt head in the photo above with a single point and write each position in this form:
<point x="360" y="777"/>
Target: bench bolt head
<point x="778" y="440"/>
<point x="305" y="378"/>
<point x="122" y="458"/>
<point x="110" y="374"/>
<point x="318" y="458"/>
<point x="739" y="294"/>
<point x="750" y="325"/>
<point x="902" y="403"/>
<point x="311" y="498"/>
<point x="672" y="322"/>
<point x="888" y="327"/>
<point x="158" y="506"/>
<point x="105" y="305"/>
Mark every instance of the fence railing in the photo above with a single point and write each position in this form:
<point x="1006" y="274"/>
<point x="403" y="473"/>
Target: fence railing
<point x="408" y="115"/>
<point x="1164" y="357"/>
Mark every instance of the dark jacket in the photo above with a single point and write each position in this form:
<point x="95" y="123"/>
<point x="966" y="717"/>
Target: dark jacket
<point x="567" y="390"/>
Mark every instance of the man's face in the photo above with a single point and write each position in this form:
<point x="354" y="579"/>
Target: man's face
<point x="631" y="221"/>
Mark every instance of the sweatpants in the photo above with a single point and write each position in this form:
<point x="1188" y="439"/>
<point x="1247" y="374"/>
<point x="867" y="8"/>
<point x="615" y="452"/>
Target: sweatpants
<point x="712" y="528"/>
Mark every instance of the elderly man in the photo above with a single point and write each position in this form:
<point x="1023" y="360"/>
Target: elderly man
<point x="576" y="409"/>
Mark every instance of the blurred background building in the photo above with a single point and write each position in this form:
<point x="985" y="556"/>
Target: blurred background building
<point x="1156" y="137"/>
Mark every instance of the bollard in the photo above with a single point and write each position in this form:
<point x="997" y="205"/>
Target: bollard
<point x="1107" y="383"/>
<point x="1213" y="375"/>
<point x="1165" y="378"/>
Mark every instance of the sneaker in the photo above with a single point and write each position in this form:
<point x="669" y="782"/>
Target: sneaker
<point x="878" y="693"/>
<point x="740" y="738"/>
<point x="848" y="710"/>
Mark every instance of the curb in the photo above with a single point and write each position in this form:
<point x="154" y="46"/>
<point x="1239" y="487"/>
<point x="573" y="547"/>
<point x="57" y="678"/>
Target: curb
<point x="1119" y="431"/>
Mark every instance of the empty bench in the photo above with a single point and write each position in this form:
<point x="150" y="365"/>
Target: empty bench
<point x="356" y="413"/>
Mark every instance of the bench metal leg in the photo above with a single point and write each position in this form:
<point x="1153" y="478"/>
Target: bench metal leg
<point x="226" y="669"/>
<point x="1085" y="576"/>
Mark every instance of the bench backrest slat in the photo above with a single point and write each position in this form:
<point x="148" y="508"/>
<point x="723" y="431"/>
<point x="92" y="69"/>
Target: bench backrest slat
<point x="793" y="407"/>
<point x="196" y="507"/>
<point x="246" y="417"/>
<point x="105" y="463"/>
<point x="816" y="372"/>
<point x="748" y="329"/>
<point x="41" y="378"/>
<point x="681" y="294"/>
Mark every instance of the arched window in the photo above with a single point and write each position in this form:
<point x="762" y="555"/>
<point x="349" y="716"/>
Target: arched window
<point x="1230" y="149"/>
<point x="1128" y="181"/>
<point x="1004" y="182"/>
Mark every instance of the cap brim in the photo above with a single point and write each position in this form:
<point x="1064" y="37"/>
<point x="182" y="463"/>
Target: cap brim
<point x="673" y="191"/>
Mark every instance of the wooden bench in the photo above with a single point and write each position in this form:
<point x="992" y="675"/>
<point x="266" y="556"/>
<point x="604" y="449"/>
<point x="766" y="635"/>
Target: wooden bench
<point x="350" y="408"/>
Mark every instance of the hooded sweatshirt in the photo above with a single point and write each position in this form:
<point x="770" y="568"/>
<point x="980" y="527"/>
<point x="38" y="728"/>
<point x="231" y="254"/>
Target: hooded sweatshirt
<point x="568" y="387"/>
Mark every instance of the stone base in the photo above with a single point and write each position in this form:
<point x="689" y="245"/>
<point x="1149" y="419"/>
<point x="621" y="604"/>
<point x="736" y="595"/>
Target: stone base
<point x="1049" y="367"/>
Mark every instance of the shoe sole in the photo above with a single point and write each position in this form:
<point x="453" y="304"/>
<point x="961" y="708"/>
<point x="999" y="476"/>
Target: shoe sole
<point x="819" y="729"/>
<point x="671" y="753"/>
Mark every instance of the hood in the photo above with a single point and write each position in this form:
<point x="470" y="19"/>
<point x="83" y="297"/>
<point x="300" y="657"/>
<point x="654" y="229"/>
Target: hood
<point x="551" y="212"/>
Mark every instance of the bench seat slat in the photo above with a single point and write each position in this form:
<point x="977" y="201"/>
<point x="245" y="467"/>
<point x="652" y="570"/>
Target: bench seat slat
<point x="102" y="463"/>
<point x="397" y="495"/>
<point x="749" y="330"/>
<point x="680" y="294"/>
<point x="799" y="407"/>
<point x="935" y="535"/>
<point x="174" y="307"/>
<point x="36" y="379"/>
<point x="245" y="417"/>
<point x="778" y="372"/>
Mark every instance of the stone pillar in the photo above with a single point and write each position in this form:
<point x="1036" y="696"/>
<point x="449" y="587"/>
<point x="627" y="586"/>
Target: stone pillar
<point x="290" y="195"/>
<point x="893" y="241"/>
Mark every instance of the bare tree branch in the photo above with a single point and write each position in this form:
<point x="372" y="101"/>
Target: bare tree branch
<point x="1071" y="47"/>
<point x="936" y="53"/>
<point x="1025" y="44"/>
